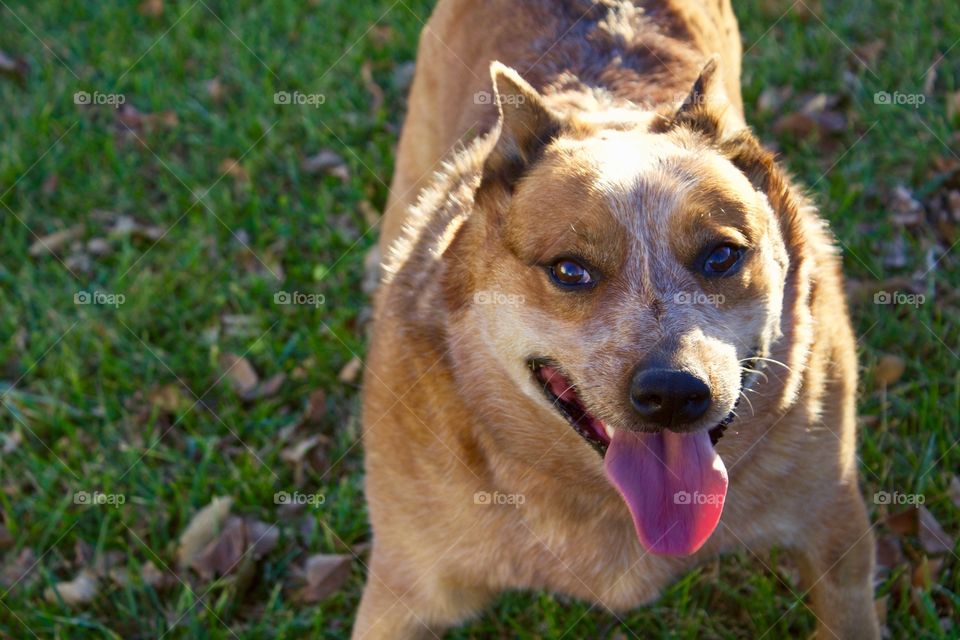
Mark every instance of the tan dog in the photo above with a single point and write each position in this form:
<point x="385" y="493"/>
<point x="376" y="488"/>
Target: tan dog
<point x="586" y="296"/>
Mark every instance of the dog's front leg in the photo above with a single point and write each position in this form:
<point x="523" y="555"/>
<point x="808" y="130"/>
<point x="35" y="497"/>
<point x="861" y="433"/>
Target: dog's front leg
<point x="836" y="566"/>
<point x="405" y="605"/>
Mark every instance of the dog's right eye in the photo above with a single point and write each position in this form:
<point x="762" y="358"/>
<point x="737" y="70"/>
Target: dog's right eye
<point x="570" y="273"/>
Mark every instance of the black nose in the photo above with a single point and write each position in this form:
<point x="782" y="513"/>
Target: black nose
<point x="669" y="398"/>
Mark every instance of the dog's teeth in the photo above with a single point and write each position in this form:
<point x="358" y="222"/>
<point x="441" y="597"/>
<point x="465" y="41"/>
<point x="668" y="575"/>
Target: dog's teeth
<point x="609" y="431"/>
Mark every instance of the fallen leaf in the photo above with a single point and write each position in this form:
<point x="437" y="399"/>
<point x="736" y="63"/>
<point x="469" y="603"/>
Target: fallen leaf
<point x="266" y="389"/>
<point x="154" y="577"/>
<point x="240" y="373"/>
<point x="233" y="168"/>
<point x="214" y="89"/>
<point x="19" y="570"/>
<point x="203" y="528"/>
<point x="316" y="407"/>
<point x="868" y="53"/>
<point x="296" y="453"/>
<point x="889" y="369"/>
<point x="151" y="8"/>
<point x="324" y="575"/>
<point x="351" y="370"/>
<point x="222" y="554"/>
<point x="6" y="539"/>
<point x="376" y="93"/>
<point x="903" y="523"/>
<point x="926" y="572"/>
<point x="14" y="68"/>
<point x="262" y="537"/>
<point x="169" y="398"/>
<point x="81" y="590"/>
<point x="954" y="491"/>
<point x="889" y="553"/>
<point x="933" y="538"/>
<point x="327" y="162"/>
<point x="905" y="209"/>
<point x="55" y="241"/>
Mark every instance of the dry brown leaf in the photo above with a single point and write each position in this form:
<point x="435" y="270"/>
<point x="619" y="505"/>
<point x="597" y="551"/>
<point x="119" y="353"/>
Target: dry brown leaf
<point x="240" y="372"/>
<point x="19" y="570"/>
<point x="15" y="68"/>
<point x="232" y="167"/>
<point x="222" y="555"/>
<point x="266" y="389"/>
<point x="296" y="453"/>
<point x="316" y="407"/>
<point x="169" y="398"/>
<point x="81" y="590"/>
<point x="933" y="538"/>
<point x="214" y="89"/>
<point x="889" y="553"/>
<point x="154" y="577"/>
<point x="889" y="369"/>
<point x="868" y="52"/>
<point x="376" y="93"/>
<point x="926" y="572"/>
<point x="327" y="162"/>
<point x="54" y="242"/>
<point x="351" y="370"/>
<point x="903" y="523"/>
<point x="324" y="574"/>
<point x="262" y="537"/>
<point x="203" y="528"/>
<point x="954" y="491"/>
<point x="151" y="8"/>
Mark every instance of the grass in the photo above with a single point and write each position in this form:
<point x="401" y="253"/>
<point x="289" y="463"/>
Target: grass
<point x="76" y="380"/>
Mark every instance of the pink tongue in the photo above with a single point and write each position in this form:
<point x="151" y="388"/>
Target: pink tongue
<point x="674" y="485"/>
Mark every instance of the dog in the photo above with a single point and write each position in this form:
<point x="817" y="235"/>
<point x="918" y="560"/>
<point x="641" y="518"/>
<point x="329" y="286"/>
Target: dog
<point x="611" y="339"/>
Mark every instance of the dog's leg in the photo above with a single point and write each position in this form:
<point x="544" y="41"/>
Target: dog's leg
<point x="399" y="609"/>
<point x="837" y="568"/>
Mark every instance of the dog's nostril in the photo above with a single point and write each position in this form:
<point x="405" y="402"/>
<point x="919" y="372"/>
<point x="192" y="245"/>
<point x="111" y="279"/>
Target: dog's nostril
<point x="669" y="398"/>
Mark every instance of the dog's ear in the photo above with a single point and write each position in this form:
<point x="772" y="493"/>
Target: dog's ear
<point x="526" y="127"/>
<point x="706" y="108"/>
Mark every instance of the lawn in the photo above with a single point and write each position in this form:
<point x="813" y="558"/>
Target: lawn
<point x="187" y="194"/>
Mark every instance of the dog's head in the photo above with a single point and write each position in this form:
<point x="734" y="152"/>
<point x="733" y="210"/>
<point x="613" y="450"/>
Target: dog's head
<point x="628" y="277"/>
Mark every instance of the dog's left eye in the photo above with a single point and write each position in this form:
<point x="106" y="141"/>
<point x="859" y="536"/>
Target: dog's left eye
<point x="570" y="273"/>
<point x="722" y="260"/>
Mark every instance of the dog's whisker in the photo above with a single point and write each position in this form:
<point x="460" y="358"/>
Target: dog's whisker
<point x="744" y="396"/>
<point x="770" y="360"/>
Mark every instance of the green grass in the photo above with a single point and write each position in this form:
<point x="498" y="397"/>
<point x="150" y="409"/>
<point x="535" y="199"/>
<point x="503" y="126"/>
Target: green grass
<point x="74" y="378"/>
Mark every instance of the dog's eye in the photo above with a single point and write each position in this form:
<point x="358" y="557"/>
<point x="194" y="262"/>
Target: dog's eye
<point x="722" y="260"/>
<point x="570" y="273"/>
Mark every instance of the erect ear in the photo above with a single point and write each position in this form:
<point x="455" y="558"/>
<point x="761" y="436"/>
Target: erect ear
<point x="706" y="108"/>
<point x="526" y="127"/>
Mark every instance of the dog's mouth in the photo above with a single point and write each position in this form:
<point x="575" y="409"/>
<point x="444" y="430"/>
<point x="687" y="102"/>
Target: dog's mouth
<point x="674" y="484"/>
<point x="562" y="394"/>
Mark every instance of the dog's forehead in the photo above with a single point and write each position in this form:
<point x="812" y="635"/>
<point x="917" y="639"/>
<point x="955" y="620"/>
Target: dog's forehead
<point x="643" y="178"/>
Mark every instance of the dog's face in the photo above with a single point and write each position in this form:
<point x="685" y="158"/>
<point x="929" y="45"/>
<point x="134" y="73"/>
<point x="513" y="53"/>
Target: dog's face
<point x="633" y="279"/>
